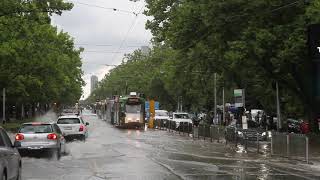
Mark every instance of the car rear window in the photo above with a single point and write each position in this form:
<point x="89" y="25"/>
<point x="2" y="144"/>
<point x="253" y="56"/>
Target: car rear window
<point x="36" y="128"/>
<point x="69" y="121"/>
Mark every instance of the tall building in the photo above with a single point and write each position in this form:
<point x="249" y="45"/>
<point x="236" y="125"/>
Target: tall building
<point x="94" y="83"/>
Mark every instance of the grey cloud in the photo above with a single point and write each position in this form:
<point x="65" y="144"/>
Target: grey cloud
<point x="94" y="26"/>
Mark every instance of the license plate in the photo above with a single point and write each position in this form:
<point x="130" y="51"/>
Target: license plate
<point x="34" y="148"/>
<point x="67" y="128"/>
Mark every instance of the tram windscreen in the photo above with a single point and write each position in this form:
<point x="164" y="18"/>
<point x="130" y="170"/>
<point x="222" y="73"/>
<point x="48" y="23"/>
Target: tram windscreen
<point x="133" y="108"/>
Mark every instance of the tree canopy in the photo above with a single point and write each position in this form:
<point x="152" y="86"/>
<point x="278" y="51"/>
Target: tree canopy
<point x="248" y="44"/>
<point x="38" y="63"/>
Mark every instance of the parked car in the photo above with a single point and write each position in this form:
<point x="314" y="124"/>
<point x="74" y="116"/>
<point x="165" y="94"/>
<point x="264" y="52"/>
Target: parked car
<point x="10" y="160"/>
<point x="40" y="137"/>
<point x="73" y="127"/>
<point x="161" y="115"/>
<point x="294" y="125"/>
<point x="297" y="126"/>
<point x="181" y="117"/>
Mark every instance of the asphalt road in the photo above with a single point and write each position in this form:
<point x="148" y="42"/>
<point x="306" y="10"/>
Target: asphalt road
<point x="111" y="153"/>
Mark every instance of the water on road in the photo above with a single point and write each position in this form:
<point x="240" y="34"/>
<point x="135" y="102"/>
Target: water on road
<point x="111" y="153"/>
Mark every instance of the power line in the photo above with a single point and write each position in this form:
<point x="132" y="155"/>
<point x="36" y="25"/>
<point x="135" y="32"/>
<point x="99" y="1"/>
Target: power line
<point x="107" y="8"/>
<point x="105" y="52"/>
<point x="129" y="30"/>
<point x="106" y="45"/>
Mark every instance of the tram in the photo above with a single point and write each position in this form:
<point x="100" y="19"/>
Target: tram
<point x="126" y="111"/>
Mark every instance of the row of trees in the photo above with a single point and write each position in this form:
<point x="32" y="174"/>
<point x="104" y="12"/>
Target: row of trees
<point x="38" y="63"/>
<point x="249" y="44"/>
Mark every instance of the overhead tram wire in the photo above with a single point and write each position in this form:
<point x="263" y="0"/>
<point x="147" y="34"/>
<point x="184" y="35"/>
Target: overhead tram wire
<point x="129" y="30"/>
<point x="107" y="8"/>
<point x="103" y="45"/>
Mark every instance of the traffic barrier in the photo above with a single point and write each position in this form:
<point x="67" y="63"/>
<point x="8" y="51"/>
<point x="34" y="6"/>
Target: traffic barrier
<point x="290" y="145"/>
<point x="217" y="133"/>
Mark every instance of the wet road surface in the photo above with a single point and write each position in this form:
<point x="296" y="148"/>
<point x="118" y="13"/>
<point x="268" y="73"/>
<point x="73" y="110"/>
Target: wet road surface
<point x="111" y="153"/>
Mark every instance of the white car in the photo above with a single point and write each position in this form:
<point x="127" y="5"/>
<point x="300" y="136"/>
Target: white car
<point x="161" y="115"/>
<point x="73" y="127"/>
<point x="181" y="117"/>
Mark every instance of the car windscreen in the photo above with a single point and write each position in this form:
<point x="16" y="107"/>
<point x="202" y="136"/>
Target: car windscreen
<point x="133" y="108"/>
<point x="69" y="121"/>
<point x="36" y="128"/>
<point x="162" y="113"/>
<point x="181" y="116"/>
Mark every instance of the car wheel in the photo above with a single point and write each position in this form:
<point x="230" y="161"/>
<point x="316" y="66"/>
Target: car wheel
<point x="59" y="153"/>
<point x="19" y="174"/>
<point x="56" y="154"/>
<point x="83" y="138"/>
<point x="4" y="176"/>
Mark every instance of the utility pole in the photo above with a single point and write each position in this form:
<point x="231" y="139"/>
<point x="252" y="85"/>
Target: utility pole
<point x="3" y="105"/>
<point x="215" y="96"/>
<point x="279" y="124"/>
<point x="181" y="104"/>
<point x="223" y="106"/>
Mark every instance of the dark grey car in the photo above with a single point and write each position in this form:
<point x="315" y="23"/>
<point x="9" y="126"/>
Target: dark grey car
<point x="10" y="160"/>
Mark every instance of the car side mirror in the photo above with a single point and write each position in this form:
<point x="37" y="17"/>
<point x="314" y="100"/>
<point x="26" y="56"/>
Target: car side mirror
<point x="87" y="124"/>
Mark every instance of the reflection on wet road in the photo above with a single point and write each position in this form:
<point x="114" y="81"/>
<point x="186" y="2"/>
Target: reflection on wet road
<point x="111" y="153"/>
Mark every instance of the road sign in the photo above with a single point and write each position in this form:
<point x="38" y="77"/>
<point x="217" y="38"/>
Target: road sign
<point x="239" y="97"/>
<point x="237" y="92"/>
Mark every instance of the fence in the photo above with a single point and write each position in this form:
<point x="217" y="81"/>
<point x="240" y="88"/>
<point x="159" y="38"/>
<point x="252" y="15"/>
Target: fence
<point x="180" y="127"/>
<point x="287" y="145"/>
<point x="290" y="145"/>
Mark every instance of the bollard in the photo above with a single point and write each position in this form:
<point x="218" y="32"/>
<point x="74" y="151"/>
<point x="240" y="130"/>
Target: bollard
<point x="236" y="139"/>
<point x="204" y="132"/>
<point x="218" y="134"/>
<point x="179" y="129"/>
<point x="271" y="143"/>
<point x="307" y="150"/>
<point x="246" y="142"/>
<point x="288" y="146"/>
<point x="258" y="142"/>
<point x="211" y="133"/>
<point x="193" y="134"/>
<point x="199" y="132"/>
<point x="183" y="128"/>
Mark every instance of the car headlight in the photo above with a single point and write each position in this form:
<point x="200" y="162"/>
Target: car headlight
<point x="240" y="133"/>
<point x="264" y="134"/>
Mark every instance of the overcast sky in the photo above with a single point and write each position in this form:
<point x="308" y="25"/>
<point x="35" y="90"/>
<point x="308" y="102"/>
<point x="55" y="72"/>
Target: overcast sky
<point x="102" y="31"/>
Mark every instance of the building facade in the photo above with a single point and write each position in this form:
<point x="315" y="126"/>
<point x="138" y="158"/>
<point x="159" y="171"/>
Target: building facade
<point x="94" y="83"/>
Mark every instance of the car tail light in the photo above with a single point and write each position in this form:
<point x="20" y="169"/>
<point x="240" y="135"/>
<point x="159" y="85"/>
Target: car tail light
<point x="19" y="137"/>
<point x="52" y="136"/>
<point x="81" y="127"/>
